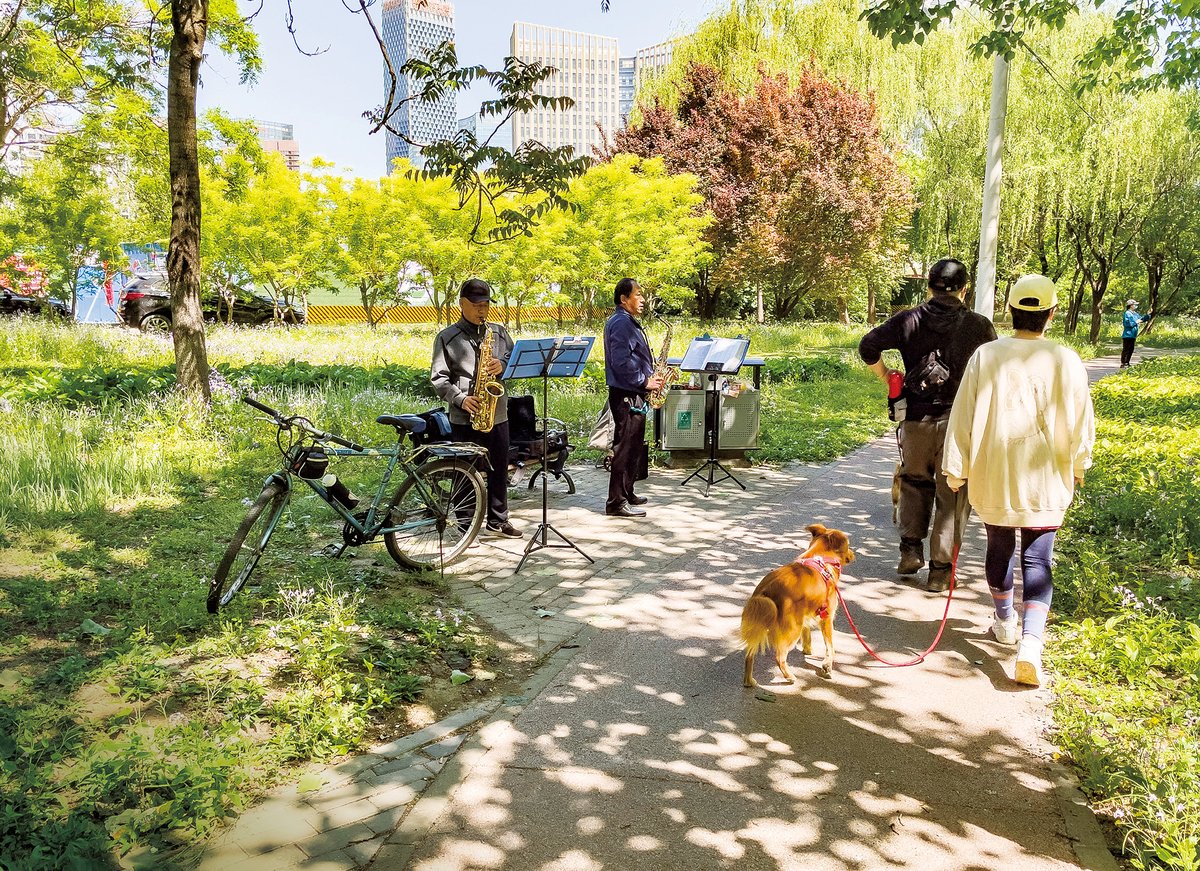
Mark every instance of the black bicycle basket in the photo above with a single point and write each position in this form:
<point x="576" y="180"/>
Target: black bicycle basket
<point x="310" y="462"/>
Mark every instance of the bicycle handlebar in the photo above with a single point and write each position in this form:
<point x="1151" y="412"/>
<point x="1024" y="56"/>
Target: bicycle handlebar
<point x="301" y="424"/>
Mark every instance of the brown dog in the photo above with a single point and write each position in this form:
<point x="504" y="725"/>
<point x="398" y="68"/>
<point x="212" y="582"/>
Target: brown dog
<point x="790" y="599"/>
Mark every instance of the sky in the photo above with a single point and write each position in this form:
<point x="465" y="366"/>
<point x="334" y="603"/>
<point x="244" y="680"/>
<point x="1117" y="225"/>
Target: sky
<point x="324" y="95"/>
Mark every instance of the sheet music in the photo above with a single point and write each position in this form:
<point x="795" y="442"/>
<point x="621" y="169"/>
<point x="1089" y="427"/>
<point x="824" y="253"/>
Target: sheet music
<point x="709" y="354"/>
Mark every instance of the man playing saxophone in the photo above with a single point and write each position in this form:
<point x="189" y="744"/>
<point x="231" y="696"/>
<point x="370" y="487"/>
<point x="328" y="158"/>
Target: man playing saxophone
<point x="629" y="373"/>
<point x="470" y="388"/>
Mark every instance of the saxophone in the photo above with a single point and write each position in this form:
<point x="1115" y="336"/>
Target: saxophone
<point x="487" y="389"/>
<point x="656" y="398"/>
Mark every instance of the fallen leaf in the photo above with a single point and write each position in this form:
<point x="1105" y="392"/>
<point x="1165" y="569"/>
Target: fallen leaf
<point x="459" y="677"/>
<point x="485" y="675"/>
<point x="91" y="627"/>
<point x="765" y="695"/>
<point x="542" y="612"/>
<point x="309" y="782"/>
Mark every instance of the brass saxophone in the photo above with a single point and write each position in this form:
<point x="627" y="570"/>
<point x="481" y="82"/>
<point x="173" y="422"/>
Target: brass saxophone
<point x="487" y="389"/>
<point x="656" y="398"/>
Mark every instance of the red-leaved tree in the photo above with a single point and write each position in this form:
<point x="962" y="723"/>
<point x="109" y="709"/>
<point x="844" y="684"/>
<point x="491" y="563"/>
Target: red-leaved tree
<point x="805" y="193"/>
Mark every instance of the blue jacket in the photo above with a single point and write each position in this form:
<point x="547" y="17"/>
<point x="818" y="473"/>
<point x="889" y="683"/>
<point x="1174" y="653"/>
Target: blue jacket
<point x="627" y="358"/>
<point x="1132" y="322"/>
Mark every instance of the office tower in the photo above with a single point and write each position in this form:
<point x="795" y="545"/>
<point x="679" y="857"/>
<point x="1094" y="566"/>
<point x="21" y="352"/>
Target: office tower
<point x="587" y="73"/>
<point x="490" y="126"/>
<point x="414" y="30"/>
<point x="274" y="136"/>
<point x="651" y="61"/>
<point x="628" y="87"/>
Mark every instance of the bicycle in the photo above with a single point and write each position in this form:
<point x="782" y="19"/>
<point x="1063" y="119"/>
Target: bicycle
<point x="429" y="521"/>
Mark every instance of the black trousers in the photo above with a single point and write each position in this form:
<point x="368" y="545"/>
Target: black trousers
<point x="496" y="442"/>
<point x="1127" y="344"/>
<point x="629" y="434"/>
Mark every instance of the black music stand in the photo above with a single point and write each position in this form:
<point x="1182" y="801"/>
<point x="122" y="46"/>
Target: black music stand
<point x="547" y="358"/>
<point x="713" y="357"/>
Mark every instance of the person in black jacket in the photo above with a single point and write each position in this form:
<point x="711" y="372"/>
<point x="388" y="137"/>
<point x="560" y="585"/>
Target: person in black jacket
<point x="935" y="340"/>
<point x="453" y="371"/>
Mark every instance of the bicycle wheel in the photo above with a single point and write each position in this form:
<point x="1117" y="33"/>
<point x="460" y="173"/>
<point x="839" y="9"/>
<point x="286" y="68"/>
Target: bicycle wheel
<point x="437" y="531"/>
<point x="247" y="545"/>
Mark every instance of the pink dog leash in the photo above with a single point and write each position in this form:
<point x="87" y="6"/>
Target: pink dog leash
<point x="936" y="638"/>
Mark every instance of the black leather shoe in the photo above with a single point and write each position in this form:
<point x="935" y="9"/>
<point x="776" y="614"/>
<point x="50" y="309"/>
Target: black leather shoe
<point x="638" y="500"/>
<point x="624" y="510"/>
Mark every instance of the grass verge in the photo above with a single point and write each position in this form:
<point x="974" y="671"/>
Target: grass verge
<point x="1126" y="646"/>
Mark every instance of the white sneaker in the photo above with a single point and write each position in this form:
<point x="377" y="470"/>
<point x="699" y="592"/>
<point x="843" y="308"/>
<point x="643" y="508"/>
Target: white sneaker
<point x="1006" y="631"/>
<point x="1029" y="662"/>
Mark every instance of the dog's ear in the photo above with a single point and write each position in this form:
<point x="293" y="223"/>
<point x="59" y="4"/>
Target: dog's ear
<point x="838" y="542"/>
<point x="816" y="530"/>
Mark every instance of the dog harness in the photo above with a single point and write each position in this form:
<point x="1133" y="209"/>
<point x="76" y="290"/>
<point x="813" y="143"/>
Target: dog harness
<point x="825" y="569"/>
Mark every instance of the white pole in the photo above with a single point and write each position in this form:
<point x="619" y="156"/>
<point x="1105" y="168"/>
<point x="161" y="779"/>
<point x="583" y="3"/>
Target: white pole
<point x="989" y="223"/>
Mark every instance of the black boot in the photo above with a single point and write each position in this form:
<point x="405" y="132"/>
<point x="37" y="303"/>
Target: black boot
<point x="912" y="557"/>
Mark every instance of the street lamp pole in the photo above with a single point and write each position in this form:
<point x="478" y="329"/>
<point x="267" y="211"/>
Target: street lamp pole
<point x="989" y="224"/>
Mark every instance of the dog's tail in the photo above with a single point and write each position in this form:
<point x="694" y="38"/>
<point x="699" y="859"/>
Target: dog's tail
<point x="758" y="621"/>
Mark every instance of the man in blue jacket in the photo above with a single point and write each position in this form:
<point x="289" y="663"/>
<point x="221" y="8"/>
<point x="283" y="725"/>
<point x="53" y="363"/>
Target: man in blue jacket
<point x="1131" y="325"/>
<point x="629" y="374"/>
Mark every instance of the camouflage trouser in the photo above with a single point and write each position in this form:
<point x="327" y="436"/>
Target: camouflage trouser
<point x="924" y="493"/>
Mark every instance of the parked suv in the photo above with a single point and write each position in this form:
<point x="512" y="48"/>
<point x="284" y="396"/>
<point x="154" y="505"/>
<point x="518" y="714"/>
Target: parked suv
<point x="12" y="303"/>
<point x="146" y="303"/>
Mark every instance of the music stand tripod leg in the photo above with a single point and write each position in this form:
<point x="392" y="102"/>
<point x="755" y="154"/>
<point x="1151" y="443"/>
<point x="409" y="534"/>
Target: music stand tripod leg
<point x="708" y="466"/>
<point x="534" y="545"/>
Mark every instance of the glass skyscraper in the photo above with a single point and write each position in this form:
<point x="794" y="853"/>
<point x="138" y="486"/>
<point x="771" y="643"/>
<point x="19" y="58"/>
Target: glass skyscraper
<point x="410" y="30"/>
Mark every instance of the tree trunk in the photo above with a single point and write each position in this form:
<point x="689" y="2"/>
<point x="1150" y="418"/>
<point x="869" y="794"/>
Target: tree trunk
<point x="189" y="25"/>
<point x="1098" y="291"/>
<point x="871" y="316"/>
<point x="1156" y="266"/>
<point x="843" y="310"/>
<point x="366" y="303"/>
<point x="759" y="317"/>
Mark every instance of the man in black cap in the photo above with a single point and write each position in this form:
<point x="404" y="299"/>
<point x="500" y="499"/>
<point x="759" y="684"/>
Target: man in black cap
<point x="935" y="340"/>
<point x="455" y="362"/>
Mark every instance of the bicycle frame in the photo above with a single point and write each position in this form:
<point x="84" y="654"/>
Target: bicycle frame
<point x="373" y="525"/>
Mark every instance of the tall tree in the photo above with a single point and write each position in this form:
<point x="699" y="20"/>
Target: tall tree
<point x="801" y="186"/>
<point x="1150" y="43"/>
<point x="63" y="216"/>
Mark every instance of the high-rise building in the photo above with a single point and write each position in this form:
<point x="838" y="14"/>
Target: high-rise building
<point x="490" y="126"/>
<point x="275" y="136"/>
<point x="627" y="86"/>
<point x="414" y="30"/>
<point x="588" y="73"/>
<point x="651" y="61"/>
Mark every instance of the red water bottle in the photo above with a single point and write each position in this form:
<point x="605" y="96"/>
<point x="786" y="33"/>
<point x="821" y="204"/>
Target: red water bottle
<point x="895" y="382"/>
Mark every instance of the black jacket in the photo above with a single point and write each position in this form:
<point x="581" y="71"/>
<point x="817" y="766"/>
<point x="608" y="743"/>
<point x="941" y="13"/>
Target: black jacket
<point x="940" y="323"/>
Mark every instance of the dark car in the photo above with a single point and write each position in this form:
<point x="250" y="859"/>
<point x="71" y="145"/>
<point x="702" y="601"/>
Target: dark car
<point x="12" y="303"/>
<point x="146" y="303"/>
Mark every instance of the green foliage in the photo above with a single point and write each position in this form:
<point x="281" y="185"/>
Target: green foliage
<point x="1127" y="580"/>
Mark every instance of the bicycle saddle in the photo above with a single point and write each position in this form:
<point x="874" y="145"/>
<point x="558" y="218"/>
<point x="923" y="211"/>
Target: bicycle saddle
<point x="408" y="422"/>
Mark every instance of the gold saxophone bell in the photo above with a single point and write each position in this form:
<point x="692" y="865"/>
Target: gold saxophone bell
<point x="657" y="398"/>
<point x="487" y="389"/>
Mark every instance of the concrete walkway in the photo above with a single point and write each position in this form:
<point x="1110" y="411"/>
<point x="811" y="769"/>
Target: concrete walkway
<point x="637" y="745"/>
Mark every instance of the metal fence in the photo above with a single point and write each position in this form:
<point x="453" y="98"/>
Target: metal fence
<point x="427" y="314"/>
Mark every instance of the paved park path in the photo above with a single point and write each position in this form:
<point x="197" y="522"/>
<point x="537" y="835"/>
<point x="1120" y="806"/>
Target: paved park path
<point x="635" y="745"/>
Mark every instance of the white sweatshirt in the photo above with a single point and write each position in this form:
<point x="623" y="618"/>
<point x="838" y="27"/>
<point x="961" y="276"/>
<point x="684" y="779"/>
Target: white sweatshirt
<point x="1021" y="431"/>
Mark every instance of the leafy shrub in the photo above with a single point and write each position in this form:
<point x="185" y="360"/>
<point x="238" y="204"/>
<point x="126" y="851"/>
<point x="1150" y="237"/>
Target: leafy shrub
<point x="806" y="370"/>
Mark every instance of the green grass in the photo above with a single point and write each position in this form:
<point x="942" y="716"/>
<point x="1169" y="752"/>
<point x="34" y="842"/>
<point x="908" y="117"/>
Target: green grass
<point x="128" y="716"/>
<point x="1126" y="649"/>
